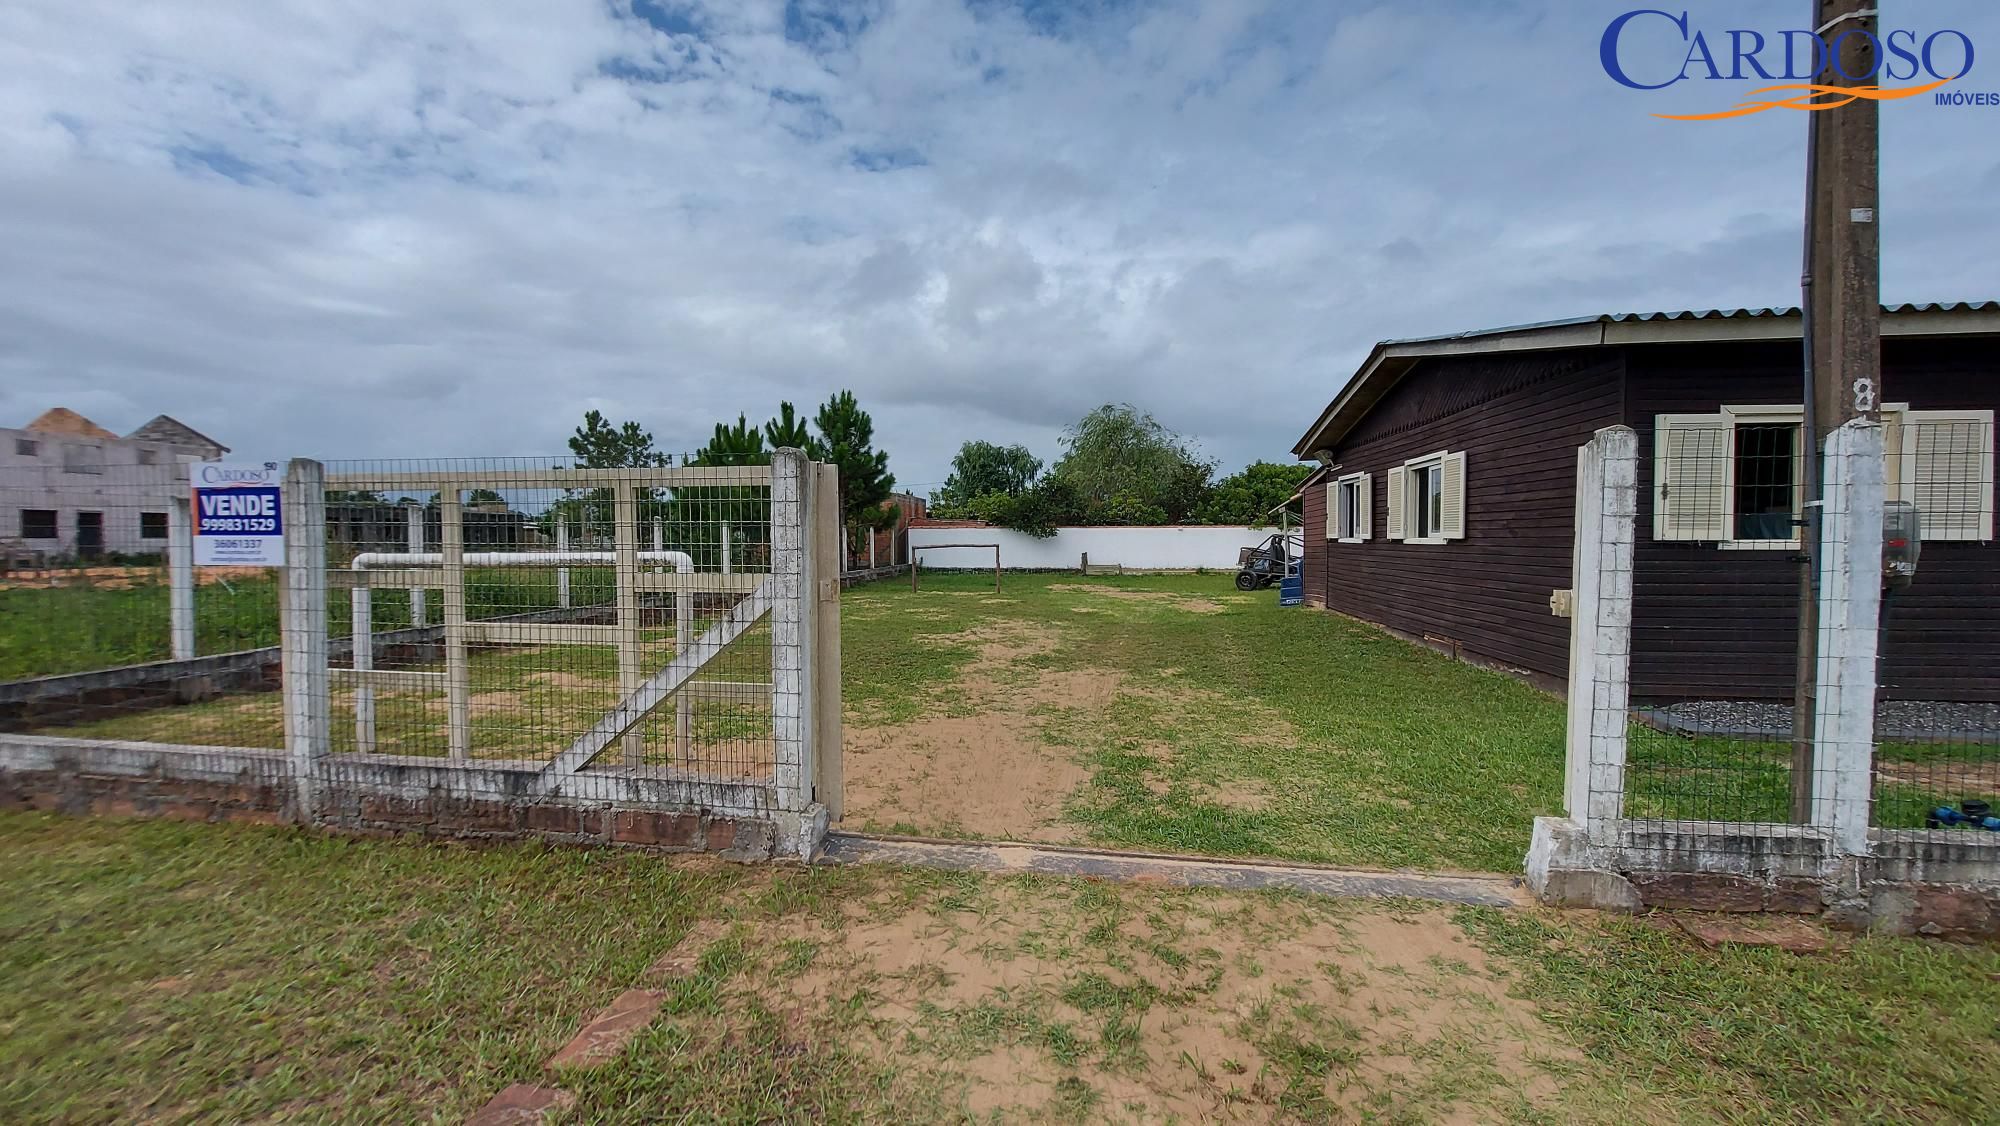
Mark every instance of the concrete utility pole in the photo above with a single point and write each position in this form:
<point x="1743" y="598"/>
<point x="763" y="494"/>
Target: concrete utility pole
<point x="1842" y="306"/>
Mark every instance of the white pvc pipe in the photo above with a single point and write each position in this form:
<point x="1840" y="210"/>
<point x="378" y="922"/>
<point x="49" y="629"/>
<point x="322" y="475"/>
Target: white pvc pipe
<point x="562" y="576"/>
<point x="418" y="615"/>
<point x="681" y="560"/>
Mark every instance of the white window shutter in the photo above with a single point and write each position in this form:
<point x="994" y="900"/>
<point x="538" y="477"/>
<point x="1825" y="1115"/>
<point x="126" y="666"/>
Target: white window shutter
<point x="1690" y="471"/>
<point x="1333" y="511"/>
<point x="1948" y="472"/>
<point x="1892" y="454"/>
<point x="1395" y="529"/>
<point x="1453" y="497"/>
<point x="1364" y="518"/>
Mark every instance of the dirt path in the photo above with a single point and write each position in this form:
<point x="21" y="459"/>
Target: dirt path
<point x="983" y="769"/>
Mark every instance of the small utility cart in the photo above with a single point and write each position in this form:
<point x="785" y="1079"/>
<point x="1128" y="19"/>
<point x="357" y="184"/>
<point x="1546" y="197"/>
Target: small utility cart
<point x="1276" y="560"/>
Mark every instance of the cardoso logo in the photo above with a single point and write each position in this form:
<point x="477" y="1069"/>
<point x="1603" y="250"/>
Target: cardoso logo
<point x="223" y="476"/>
<point x="1649" y="49"/>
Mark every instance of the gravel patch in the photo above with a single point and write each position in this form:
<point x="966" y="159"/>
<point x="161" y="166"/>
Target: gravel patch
<point x="1914" y="721"/>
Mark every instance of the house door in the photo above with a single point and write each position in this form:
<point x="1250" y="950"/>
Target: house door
<point x="89" y="534"/>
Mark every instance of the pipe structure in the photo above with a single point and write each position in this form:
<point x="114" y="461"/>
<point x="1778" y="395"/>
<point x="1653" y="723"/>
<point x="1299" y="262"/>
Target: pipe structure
<point x="364" y="647"/>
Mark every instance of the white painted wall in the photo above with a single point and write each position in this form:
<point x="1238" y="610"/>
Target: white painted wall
<point x="1170" y="548"/>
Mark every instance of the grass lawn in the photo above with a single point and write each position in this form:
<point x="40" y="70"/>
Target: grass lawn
<point x="1174" y="713"/>
<point x="229" y="973"/>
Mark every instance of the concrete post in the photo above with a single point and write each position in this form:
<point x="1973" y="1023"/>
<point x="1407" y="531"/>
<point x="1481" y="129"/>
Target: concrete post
<point x="361" y="603"/>
<point x="457" y="658"/>
<point x="791" y="628"/>
<point x="625" y="547"/>
<point x="1850" y="607"/>
<point x="180" y="577"/>
<point x="302" y="630"/>
<point x="562" y="573"/>
<point x="828" y="780"/>
<point x="416" y="541"/>
<point x="728" y="564"/>
<point x="1600" y="646"/>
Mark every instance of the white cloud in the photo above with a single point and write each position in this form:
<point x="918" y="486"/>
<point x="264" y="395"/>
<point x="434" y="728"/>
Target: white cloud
<point x="349" y="229"/>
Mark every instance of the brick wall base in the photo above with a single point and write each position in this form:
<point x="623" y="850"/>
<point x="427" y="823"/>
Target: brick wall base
<point x="380" y="795"/>
<point x="1912" y="883"/>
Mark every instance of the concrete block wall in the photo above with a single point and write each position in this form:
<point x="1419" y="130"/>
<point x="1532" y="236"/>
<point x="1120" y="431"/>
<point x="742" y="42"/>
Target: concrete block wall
<point x="107" y="778"/>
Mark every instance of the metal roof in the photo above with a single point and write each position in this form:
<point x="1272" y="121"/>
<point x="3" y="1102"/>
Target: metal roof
<point x="1696" y="315"/>
<point x="1391" y="359"/>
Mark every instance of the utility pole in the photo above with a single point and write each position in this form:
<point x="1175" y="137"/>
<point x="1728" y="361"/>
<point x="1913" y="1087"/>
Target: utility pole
<point x="1842" y="310"/>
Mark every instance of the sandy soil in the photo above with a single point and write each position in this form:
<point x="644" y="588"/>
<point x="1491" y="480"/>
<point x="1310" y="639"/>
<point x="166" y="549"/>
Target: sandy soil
<point x="1177" y="601"/>
<point x="1221" y="995"/>
<point x="989" y="773"/>
<point x="120" y="578"/>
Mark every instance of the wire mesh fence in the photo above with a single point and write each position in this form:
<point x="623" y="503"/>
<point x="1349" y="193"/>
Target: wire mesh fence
<point x="503" y="614"/>
<point x="1717" y="575"/>
<point x="84" y="576"/>
<point x="1725" y="721"/>
<point x="1937" y="731"/>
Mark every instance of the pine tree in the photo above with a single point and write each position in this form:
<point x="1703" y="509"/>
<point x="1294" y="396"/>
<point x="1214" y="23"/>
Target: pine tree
<point x="847" y="439"/>
<point x="789" y="430"/>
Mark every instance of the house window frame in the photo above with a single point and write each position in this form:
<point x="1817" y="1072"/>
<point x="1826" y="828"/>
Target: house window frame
<point x="154" y="526"/>
<point x="27" y="447"/>
<point x="1347" y="508"/>
<point x="1763" y="414"/>
<point x="53" y="524"/>
<point x="1428" y="467"/>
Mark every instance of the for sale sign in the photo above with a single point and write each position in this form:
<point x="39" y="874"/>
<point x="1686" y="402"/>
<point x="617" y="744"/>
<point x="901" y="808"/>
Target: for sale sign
<point x="239" y="518"/>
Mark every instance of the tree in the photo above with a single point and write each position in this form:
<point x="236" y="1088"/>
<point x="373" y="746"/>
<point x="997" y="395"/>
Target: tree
<point x="599" y="445"/>
<point x="1121" y="461"/>
<point x="982" y="468"/>
<point x="479" y="497"/>
<point x="847" y="439"/>
<point x="741" y="444"/>
<point x="788" y="430"/>
<point x="1248" y="496"/>
<point x="354" y="496"/>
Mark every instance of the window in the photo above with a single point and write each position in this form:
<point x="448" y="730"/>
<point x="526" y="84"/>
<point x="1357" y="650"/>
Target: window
<point x="1349" y="509"/>
<point x="27" y="447"/>
<point x="1734" y="478"/>
<point x="152" y="525"/>
<point x="38" y="523"/>
<point x="82" y="457"/>
<point x="148" y="456"/>
<point x="1427" y="499"/>
<point x="1766" y="492"/>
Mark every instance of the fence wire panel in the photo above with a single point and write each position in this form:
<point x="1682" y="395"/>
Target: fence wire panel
<point x="1716" y="588"/>
<point x="482" y="611"/>
<point x="1937" y="728"/>
<point x="96" y="576"/>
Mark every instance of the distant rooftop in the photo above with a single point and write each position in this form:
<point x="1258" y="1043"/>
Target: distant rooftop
<point x="62" y="420"/>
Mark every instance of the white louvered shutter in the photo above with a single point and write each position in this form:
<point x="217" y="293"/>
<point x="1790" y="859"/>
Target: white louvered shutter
<point x="1453" y="497"/>
<point x="1690" y="472"/>
<point x="1364" y="516"/>
<point x="1947" y="470"/>
<point x="1395" y="529"/>
<point x="1333" y="511"/>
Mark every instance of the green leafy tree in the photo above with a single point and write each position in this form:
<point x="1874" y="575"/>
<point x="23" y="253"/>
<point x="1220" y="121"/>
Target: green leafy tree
<point x="354" y="496"/>
<point x="1249" y="495"/>
<point x="983" y="468"/>
<point x="1120" y="462"/>
<point x="847" y="439"/>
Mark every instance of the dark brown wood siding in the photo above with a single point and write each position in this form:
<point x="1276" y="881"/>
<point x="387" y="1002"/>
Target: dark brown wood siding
<point x="1313" y="519"/>
<point x="1709" y="622"/>
<point x="1519" y="418"/>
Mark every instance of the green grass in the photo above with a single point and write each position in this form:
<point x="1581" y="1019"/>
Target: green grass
<point x="228" y="973"/>
<point x="1891" y="1030"/>
<point x="82" y="627"/>
<point x="1363" y="749"/>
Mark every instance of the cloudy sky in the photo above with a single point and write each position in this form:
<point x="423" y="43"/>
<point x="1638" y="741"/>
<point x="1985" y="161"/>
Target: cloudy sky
<point x="338" y="228"/>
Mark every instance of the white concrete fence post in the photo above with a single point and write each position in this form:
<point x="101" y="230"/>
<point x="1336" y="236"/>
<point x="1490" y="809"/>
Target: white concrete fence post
<point x="302" y="623"/>
<point x="180" y="577"/>
<point x="418" y="614"/>
<point x="791" y="629"/>
<point x="1600" y="645"/>
<point x="562" y="573"/>
<point x="1850" y="606"/>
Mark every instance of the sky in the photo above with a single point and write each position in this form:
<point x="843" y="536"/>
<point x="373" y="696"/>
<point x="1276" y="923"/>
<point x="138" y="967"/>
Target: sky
<point x="342" y="229"/>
